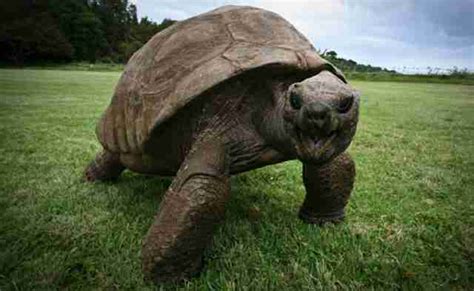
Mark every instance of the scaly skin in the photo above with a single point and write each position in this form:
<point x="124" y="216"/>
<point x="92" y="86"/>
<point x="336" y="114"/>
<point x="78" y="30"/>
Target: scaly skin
<point x="242" y="125"/>
<point x="191" y="210"/>
<point x="328" y="188"/>
<point x="105" y="167"/>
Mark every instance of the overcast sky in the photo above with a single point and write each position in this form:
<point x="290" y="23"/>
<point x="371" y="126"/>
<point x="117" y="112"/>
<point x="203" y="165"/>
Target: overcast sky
<point x="388" y="33"/>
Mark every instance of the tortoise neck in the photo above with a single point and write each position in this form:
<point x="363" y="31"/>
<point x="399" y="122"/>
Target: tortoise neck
<point x="272" y="126"/>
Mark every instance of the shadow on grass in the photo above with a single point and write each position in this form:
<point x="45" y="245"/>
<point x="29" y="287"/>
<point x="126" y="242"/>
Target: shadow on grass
<point x="139" y="196"/>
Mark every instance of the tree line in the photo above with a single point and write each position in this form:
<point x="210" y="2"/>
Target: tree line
<point x="107" y="31"/>
<point x="351" y="65"/>
<point x="72" y="30"/>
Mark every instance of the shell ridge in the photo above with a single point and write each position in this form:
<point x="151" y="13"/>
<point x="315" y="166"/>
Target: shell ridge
<point x="194" y="55"/>
<point x="127" y="131"/>
<point x="113" y="143"/>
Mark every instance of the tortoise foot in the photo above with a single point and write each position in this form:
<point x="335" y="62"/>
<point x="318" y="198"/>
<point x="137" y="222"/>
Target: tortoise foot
<point x="328" y="188"/>
<point x="105" y="167"/>
<point x="321" y="219"/>
<point x="169" y="270"/>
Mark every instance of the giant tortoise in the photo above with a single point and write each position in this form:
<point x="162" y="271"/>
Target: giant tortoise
<point x="221" y="93"/>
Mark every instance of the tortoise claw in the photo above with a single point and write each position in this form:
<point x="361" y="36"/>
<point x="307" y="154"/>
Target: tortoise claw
<point x="321" y="219"/>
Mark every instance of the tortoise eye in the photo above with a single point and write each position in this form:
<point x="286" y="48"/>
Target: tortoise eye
<point x="295" y="101"/>
<point x="345" y="104"/>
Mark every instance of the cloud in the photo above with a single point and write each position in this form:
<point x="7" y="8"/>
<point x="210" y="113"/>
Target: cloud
<point x="436" y="33"/>
<point x="312" y="17"/>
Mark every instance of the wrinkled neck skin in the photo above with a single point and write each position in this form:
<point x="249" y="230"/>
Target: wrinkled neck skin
<point x="271" y="124"/>
<point x="260" y="126"/>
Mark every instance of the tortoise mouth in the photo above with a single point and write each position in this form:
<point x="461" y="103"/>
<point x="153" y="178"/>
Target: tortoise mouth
<point x="319" y="143"/>
<point x="320" y="149"/>
<point x="314" y="148"/>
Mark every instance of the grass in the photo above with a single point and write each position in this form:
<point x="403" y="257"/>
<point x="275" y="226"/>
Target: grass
<point x="456" y="77"/>
<point x="72" y="66"/>
<point x="410" y="221"/>
<point x="462" y="78"/>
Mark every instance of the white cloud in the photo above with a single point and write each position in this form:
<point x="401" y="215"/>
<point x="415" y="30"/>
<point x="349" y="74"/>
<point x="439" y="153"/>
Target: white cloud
<point x="312" y="17"/>
<point x="384" y="33"/>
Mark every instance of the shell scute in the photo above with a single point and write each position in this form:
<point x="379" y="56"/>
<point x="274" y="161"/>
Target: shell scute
<point x="181" y="62"/>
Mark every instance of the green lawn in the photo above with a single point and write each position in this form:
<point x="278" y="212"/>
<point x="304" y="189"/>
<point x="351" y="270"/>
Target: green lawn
<point x="410" y="221"/>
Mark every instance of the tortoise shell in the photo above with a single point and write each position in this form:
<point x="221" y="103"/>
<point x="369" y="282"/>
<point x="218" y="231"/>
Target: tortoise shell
<point x="188" y="58"/>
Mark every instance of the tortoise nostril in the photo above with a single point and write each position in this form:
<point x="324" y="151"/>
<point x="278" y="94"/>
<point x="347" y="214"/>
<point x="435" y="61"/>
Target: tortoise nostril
<point x="319" y="123"/>
<point x="316" y="114"/>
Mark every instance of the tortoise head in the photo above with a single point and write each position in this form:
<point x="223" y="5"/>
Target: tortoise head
<point x="321" y="115"/>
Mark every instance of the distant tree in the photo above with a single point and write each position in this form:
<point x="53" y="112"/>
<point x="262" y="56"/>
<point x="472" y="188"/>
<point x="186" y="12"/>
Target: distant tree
<point x="29" y="32"/>
<point x="165" y="24"/>
<point x="132" y="11"/>
<point x="62" y="30"/>
<point x="331" y="54"/>
<point x="350" y="65"/>
<point x="115" y="24"/>
<point x="82" y="27"/>
<point x="144" y="30"/>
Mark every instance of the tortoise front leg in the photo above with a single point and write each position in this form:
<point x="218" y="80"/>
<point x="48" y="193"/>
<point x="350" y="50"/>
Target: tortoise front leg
<point x="328" y="188"/>
<point x="191" y="210"/>
<point x="105" y="167"/>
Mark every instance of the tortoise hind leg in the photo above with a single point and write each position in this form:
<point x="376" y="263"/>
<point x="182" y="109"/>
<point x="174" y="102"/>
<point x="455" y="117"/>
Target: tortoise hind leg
<point x="191" y="210"/>
<point x="105" y="167"/>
